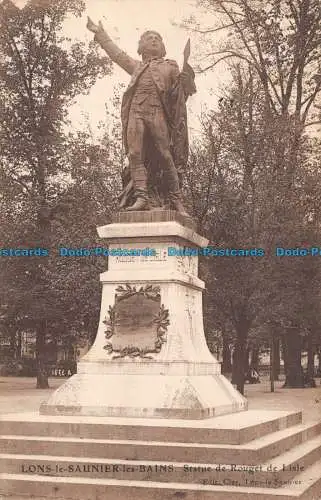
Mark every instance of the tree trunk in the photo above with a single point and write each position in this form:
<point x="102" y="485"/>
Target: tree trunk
<point x="234" y="366"/>
<point x="239" y="365"/>
<point x="310" y="382"/>
<point x="276" y="359"/>
<point x="44" y="226"/>
<point x="226" y="363"/>
<point x="247" y="359"/>
<point x="42" y="373"/>
<point x="272" y="364"/>
<point x="255" y="359"/>
<point x="12" y="340"/>
<point x="294" y="373"/>
<point x="284" y="354"/>
<point x="240" y="356"/>
<point x="19" y="342"/>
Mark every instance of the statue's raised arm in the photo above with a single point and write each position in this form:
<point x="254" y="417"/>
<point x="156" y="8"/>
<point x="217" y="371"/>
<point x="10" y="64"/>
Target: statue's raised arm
<point x="115" y="53"/>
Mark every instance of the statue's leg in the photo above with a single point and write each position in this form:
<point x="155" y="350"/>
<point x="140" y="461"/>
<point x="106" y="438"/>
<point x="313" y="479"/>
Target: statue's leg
<point x="135" y="142"/>
<point x="158" y="129"/>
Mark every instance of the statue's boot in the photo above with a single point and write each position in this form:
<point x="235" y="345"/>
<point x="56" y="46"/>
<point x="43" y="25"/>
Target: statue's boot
<point x="139" y="176"/>
<point x="141" y="202"/>
<point x="176" y="202"/>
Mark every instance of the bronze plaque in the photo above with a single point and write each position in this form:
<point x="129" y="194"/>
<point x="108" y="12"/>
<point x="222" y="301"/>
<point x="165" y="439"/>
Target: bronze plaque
<point x="137" y="322"/>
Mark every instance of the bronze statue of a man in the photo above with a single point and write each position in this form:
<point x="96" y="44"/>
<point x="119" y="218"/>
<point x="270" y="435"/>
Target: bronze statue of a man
<point x="154" y="121"/>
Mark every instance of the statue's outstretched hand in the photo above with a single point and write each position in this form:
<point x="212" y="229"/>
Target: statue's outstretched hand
<point x="115" y="53"/>
<point x="94" y="27"/>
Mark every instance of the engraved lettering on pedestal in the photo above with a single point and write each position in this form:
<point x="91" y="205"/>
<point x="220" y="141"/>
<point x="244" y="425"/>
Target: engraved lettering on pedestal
<point x="127" y="259"/>
<point x="137" y="323"/>
<point x="161" y="255"/>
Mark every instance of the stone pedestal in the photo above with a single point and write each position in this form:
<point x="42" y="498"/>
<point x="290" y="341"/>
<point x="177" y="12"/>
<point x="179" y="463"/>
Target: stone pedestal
<point x="150" y="357"/>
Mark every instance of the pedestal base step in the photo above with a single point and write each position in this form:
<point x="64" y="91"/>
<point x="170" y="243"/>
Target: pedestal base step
<point x="272" y="456"/>
<point x="19" y="487"/>
<point x="272" y="473"/>
<point x="254" y="452"/>
<point x="236" y="428"/>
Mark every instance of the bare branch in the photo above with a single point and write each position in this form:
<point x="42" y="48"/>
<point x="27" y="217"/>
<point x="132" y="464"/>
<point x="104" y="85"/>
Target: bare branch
<point x="227" y="56"/>
<point x="213" y="30"/>
<point x="309" y="124"/>
<point x="311" y="100"/>
<point x="244" y="40"/>
<point x="279" y="67"/>
<point x="293" y="11"/>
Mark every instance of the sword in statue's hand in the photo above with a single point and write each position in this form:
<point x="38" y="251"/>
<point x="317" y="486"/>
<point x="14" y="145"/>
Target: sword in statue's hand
<point x="187" y="74"/>
<point x="187" y="53"/>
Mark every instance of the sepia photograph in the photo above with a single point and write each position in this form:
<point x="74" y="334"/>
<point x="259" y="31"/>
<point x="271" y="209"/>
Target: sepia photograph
<point x="160" y="252"/>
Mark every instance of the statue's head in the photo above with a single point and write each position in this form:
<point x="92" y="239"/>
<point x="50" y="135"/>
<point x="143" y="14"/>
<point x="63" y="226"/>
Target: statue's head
<point x="151" y="45"/>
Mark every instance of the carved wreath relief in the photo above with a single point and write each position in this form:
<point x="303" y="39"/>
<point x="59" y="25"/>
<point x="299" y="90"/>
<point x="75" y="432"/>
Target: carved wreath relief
<point x="136" y="323"/>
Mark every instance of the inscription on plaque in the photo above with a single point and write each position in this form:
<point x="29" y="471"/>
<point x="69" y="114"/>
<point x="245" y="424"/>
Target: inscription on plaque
<point x="137" y="323"/>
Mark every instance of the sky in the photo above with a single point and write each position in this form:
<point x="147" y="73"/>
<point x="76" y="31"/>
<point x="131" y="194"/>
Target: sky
<point x="125" y="21"/>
